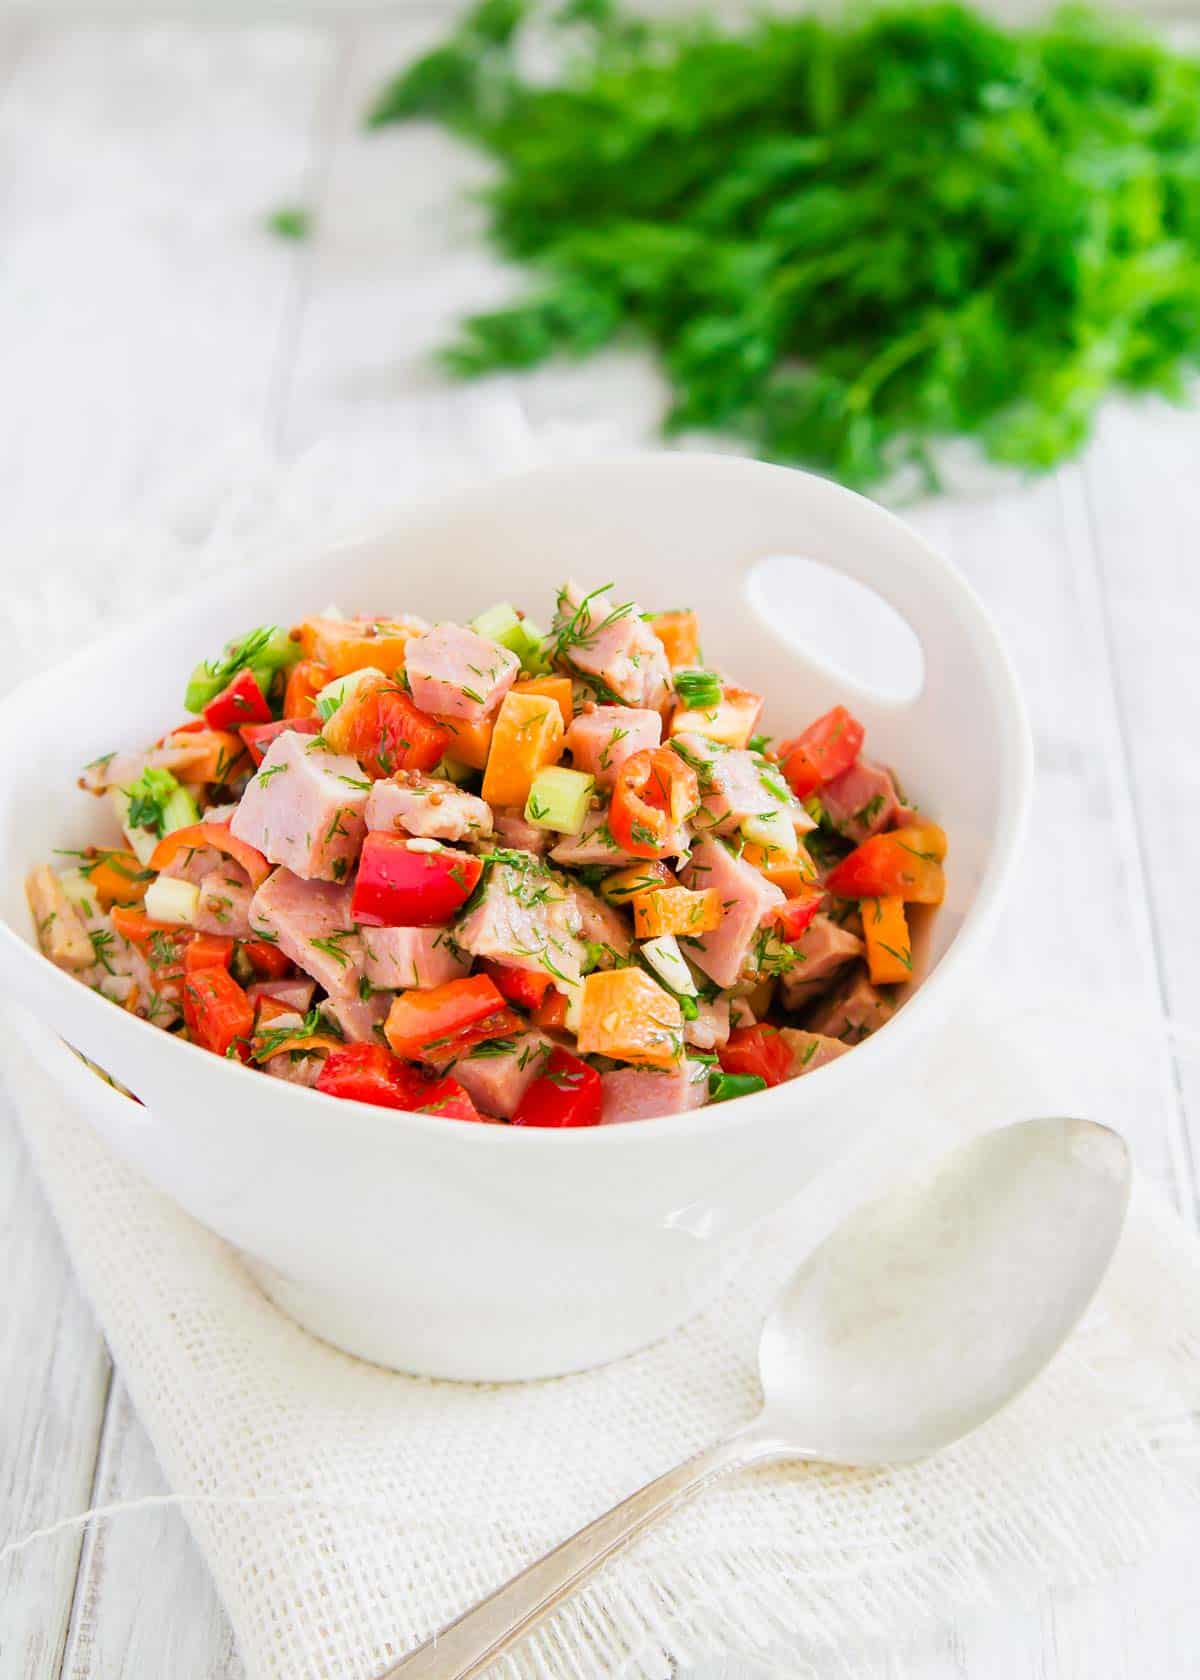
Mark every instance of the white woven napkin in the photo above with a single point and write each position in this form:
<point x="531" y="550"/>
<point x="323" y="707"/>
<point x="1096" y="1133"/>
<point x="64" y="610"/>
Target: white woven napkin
<point x="347" y="1512"/>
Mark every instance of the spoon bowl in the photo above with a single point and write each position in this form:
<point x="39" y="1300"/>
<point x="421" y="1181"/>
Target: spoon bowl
<point x="927" y="1311"/>
<point x="918" y="1319"/>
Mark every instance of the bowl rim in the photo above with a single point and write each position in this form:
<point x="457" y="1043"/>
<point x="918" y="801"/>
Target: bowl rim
<point x="918" y="1010"/>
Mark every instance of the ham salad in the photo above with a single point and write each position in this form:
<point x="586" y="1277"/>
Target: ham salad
<point x="497" y="873"/>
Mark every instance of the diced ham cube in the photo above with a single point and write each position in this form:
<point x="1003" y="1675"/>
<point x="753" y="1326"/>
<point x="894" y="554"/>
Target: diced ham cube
<point x="526" y="917"/>
<point x="225" y="899"/>
<point x="740" y="784"/>
<point x="810" y="1050"/>
<point x="861" y="801"/>
<point x="305" y="1070"/>
<point x="496" y="1083"/>
<point x="455" y="673"/>
<point x="593" y="844"/>
<point x="645" y="1093"/>
<point x="853" y="1012"/>
<point x="609" y="640"/>
<point x="822" y="951"/>
<point x="747" y="899"/>
<point x="427" y="807"/>
<point x="711" y="1026"/>
<point x="518" y="835"/>
<point x="359" y="1019"/>
<point x="601" y="924"/>
<point x="311" y="923"/>
<point x="295" y="993"/>
<point x="397" y="958"/>
<point x="56" y="921"/>
<point x="600" y="740"/>
<point x="304" y="808"/>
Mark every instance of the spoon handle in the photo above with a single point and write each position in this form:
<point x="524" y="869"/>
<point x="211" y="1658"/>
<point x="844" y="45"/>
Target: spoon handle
<point x="465" y="1647"/>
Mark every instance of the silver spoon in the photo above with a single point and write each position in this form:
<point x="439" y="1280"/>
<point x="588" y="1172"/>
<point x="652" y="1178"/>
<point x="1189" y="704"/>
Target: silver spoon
<point x="916" y="1321"/>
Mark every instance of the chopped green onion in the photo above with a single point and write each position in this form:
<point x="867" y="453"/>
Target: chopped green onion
<point x="699" y="690"/>
<point x="722" y="1086"/>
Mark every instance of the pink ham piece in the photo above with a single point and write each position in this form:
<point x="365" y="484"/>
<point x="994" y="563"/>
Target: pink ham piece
<point x="600" y="740"/>
<point x="854" y="1011"/>
<point x="600" y="924"/>
<point x="306" y="1070"/>
<point x="736" y="785"/>
<point x="311" y="923"/>
<point x="225" y="890"/>
<point x="428" y="808"/>
<point x="823" y="950"/>
<point x="397" y="958"/>
<point x="711" y="1026"/>
<point x="518" y="835"/>
<point x="526" y="917"/>
<point x="496" y="1083"/>
<point x="304" y="808"/>
<point x="748" y="899"/>
<point x="593" y="844"/>
<point x="294" y="994"/>
<point x="455" y="673"/>
<point x="610" y="640"/>
<point x="360" y="1020"/>
<point x="811" y="1050"/>
<point x="225" y="899"/>
<point x="645" y="1093"/>
<point x="861" y="801"/>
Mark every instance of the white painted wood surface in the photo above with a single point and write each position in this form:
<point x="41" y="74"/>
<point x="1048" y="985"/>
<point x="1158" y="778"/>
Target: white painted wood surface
<point x="143" y="319"/>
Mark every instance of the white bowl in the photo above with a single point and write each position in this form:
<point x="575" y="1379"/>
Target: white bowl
<point x="492" y="1252"/>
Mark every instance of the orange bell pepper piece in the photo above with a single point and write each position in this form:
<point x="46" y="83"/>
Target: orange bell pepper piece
<point x="117" y="878"/>
<point x="351" y="644"/>
<point x="889" y="944"/>
<point x="676" y="910"/>
<point x="553" y="688"/>
<point x="679" y="633"/>
<point x="528" y="736"/>
<point x="624" y="1014"/>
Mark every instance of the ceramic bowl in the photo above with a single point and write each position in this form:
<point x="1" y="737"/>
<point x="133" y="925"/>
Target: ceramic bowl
<point x="491" y="1252"/>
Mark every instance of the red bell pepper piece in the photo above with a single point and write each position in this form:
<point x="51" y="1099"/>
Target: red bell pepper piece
<point x="266" y="959"/>
<point x="305" y="681"/>
<point x="444" y="1052"/>
<point x="399" y="887"/>
<point x="904" y="863"/>
<point x="822" y="751"/>
<point x="759" y="1051"/>
<point x="797" y="914"/>
<point x="525" y="987"/>
<point x="567" y="1092"/>
<point x="385" y="732"/>
<point x="207" y="950"/>
<point x="258" y="736"/>
<point x="369" y="1073"/>
<point x="218" y="1013"/>
<point x="241" y="701"/>
<point x="654" y="792"/>
<point x="551" y="1013"/>
<point x="421" y="1019"/>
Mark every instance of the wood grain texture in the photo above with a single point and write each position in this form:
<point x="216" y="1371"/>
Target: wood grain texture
<point x="136" y="279"/>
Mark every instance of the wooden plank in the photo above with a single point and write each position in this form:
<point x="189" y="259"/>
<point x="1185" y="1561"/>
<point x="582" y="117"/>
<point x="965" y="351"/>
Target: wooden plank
<point x="143" y="306"/>
<point x="131" y="1621"/>
<point x="144" y="317"/>
<point x="51" y="1406"/>
<point x="1143" y="491"/>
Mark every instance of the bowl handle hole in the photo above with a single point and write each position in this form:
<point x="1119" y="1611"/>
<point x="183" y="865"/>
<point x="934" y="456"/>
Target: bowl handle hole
<point x="840" y="624"/>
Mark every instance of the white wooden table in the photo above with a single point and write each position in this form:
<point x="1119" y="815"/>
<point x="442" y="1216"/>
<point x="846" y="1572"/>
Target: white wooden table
<point x="144" y="317"/>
